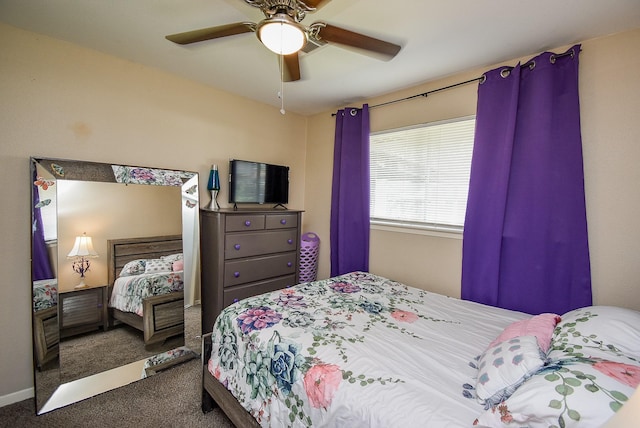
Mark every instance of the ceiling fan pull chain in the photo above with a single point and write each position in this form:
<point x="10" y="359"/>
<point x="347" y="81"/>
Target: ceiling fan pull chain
<point x="281" y="93"/>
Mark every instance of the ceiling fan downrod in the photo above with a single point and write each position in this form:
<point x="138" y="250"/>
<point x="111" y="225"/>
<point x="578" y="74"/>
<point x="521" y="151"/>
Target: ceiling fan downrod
<point x="296" y="9"/>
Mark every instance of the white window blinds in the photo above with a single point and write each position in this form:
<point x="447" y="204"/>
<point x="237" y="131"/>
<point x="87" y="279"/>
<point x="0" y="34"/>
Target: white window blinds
<point x="420" y="175"/>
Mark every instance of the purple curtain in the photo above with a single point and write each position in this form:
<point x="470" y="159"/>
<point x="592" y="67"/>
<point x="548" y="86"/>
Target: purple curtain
<point x="40" y="264"/>
<point x="350" y="192"/>
<point x="525" y="236"/>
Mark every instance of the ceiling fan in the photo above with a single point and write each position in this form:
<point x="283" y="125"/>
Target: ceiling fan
<point x="282" y="25"/>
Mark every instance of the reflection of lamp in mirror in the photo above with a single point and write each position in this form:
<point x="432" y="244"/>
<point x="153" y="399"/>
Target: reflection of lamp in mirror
<point x="81" y="253"/>
<point x="214" y="186"/>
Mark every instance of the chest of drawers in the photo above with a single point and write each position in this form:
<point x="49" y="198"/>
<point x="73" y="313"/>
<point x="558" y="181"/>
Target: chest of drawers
<point x="246" y="253"/>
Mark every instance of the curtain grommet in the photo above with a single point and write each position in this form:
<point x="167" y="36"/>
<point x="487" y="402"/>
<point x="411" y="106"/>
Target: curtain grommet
<point x="483" y="79"/>
<point x="354" y="112"/>
<point x="505" y="72"/>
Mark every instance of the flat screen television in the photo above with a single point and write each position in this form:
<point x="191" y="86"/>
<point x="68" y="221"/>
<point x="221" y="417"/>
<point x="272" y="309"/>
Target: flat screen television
<point x="258" y="183"/>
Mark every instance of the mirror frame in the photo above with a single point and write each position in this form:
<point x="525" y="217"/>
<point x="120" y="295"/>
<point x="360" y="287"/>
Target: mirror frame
<point x="49" y="393"/>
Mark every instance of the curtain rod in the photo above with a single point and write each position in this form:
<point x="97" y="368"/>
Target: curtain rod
<point x="425" y="94"/>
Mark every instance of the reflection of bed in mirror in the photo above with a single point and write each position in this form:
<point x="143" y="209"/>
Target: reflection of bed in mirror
<point x="146" y="285"/>
<point x="45" y="322"/>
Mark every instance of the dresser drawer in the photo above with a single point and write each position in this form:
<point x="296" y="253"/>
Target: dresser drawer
<point x="238" y="223"/>
<point x="240" y="292"/>
<point x="281" y="221"/>
<point x="249" y="270"/>
<point x="238" y="245"/>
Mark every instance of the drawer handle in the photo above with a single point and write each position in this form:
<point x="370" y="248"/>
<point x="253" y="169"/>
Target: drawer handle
<point x="290" y="241"/>
<point x="247" y="223"/>
<point x="283" y="221"/>
<point x="237" y="246"/>
<point x="236" y="274"/>
<point x="289" y="264"/>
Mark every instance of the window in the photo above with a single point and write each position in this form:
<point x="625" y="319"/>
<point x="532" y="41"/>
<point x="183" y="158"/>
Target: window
<point x="420" y="175"/>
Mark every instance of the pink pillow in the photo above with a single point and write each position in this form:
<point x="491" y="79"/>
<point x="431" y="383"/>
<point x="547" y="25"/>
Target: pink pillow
<point x="178" y="265"/>
<point x="541" y="326"/>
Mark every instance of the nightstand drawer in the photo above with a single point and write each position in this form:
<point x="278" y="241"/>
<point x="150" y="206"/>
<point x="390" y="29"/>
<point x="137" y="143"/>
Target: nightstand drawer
<point x="82" y="310"/>
<point x="238" y="245"/>
<point x="249" y="270"/>
<point x="281" y="221"/>
<point x="239" y="223"/>
<point x="240" y="292"/>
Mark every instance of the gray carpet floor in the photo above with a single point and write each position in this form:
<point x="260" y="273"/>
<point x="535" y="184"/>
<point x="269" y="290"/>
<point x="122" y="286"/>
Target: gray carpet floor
<point x="169" y="399"/>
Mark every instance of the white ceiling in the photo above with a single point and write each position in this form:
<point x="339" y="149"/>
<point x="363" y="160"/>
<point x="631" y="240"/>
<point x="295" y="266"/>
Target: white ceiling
<point x="438" y="38"/>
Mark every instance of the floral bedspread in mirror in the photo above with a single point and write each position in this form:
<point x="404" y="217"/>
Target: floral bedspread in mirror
<point x="129" y="291"/>
<point x="45" y="294"/>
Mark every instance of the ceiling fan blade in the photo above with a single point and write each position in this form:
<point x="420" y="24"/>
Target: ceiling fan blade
<point x="211" y="33"/>
<point x="332" y="34"/>
<point x="315" y="4"/>
<point x="290" y="67"/>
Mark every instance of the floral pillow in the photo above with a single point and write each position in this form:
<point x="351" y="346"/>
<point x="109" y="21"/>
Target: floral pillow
<point x="158" y="266"/>
<point x="134" y="267"/>
<point x="172" y="257"/>
<point x="604" y="332"/>
<point x="505" y="366"/>
<point x="540" y="326"/>
<point x="178" y="265"/>
<point x="566" y="394"/>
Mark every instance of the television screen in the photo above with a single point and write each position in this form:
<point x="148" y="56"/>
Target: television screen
<point x="258" y="183"/>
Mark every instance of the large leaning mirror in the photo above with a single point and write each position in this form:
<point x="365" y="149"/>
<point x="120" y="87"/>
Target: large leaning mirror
<point x="115" y="256"/>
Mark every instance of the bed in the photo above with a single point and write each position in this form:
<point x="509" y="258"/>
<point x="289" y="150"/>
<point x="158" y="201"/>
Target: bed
<point x="45" y="321"/>
<point x="360" y="350"/>
<point x="146" y="286"/>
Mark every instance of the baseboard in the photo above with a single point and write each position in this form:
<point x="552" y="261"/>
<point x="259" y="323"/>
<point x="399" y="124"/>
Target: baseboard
<point x="14" y="397"/>
<point x="196" y="303"/>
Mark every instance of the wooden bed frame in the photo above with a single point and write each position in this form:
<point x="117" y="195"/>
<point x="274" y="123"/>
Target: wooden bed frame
<point x="163" y="315"/>
<point x="46" y="338"/>
<point x="214" y="394"/>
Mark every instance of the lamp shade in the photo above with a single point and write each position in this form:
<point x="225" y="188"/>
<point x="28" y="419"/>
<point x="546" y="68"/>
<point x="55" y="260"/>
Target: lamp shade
<point x="214" y="179"/>
<point x="281" y="34"/>
<point x="83" y="247"/>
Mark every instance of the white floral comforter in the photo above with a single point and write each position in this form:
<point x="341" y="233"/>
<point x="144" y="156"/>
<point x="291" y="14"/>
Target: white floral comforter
<point x="45" y="294"/>
<point x="129" y="291"/>
<point x="357" y="350"/>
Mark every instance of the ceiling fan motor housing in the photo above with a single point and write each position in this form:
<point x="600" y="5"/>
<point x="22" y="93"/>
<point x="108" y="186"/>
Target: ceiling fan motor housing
<point x="296" y="9"/>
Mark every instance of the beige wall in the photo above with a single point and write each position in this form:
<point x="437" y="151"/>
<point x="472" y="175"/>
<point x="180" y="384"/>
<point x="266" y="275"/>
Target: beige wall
<point x="58" y="100"/>
<point x="610" y="108"/>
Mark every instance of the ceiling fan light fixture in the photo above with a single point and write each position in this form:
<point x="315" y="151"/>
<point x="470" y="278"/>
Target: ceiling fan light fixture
<point x="281" y="34"/>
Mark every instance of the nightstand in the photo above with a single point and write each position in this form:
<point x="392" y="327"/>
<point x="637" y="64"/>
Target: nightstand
<point x="82" y="310"/>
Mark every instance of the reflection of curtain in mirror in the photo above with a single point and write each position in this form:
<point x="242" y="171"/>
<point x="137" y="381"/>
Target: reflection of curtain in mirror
<point x="41" y="265"/>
